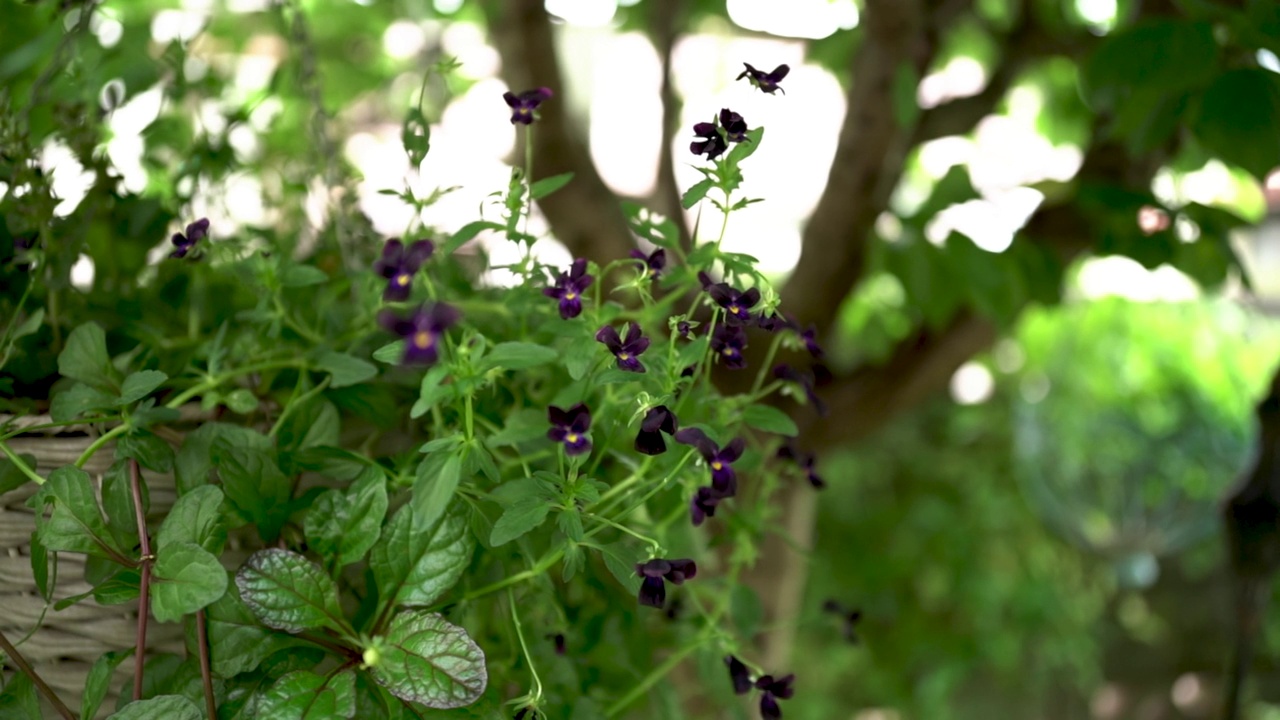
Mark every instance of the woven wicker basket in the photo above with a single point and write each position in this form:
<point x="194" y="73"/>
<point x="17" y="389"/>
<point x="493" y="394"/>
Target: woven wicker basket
<point x="64" y="648"/>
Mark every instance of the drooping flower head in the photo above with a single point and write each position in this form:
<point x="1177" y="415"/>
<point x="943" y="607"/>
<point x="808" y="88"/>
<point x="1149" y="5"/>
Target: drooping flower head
<point x="654" y="262"/>
<point x="558" y="640"/>
<point x="703" y="504"/>
<point x="627" y="351"/>
<point x="658" y="420"/>
<point x="653" y="591"/>
<point x="766" y="81"/>
<point x="684" y="328"/>
<point x="849" y="618"/>
<point x="772" y="690"/>
<point x="728" y="342"/>
<point x="806" y="380"/>
<point x="719" y="460"/>
<point x="739" y="675"/>
<point x="710" y="142"/>
<point x="807" y="462"/>
<point x="184" y="243"/>
<point x="398" y="266"/>
<point x="421" y="330"/>
<point x="773" y="322"/>
<point x="568" y="288"/>
<point x="736" y="303"/>
<point x="810" y="337"/>
<point x="570" y="428"/>
<point x="524" y="107"/>
<point x="735" y="128"/>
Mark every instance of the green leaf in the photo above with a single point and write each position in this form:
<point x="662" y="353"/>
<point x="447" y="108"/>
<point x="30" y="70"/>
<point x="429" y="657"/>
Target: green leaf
<point x="304" y="695"/>
<point x="415" y="135"/>
<point x="28" y="326"/>
<point x="19" y="699"/>
<point x="187" y="579"/>
<point x="414" y="565"/>
<point x="390" y="353"/>
<point x="1238" y="120"/>
<point x="519" y="519"/>
<point x="196" y="458"/>
<point x="518" y="356"/>
<point x="770" y="419"/>
<point x="346" y="369"/>
<point x="432" y="391"/>
<point x="77" y="400"/>
<point x="85" y="358"/>
<point x="1160" y="56"/>
<point x="151" y="452"/>
<point x="746" y="610"/>
<point x="161" y="707"/>
<point x="521" y="426"/>
<point x="345" y="524"/>
<point x="302" y="276"/>
<point x="548" y="185"/>
<point x="139" y="385"/>
<point x="99" y="680"/>
<point x="254" y="484"/>
<point x="466" y="233"/>
<point x="75" y="524"/>
<point x="695" y="194"/>
<point x="241" y="401"/>
<point x="196" y="518"/>
<point x="11" y="477"/>
<point x="40" y="566"/>
<point x="313" y="422"/>
<point x="693" y="352"/>
<point x="125" y="585"/>
<point x="288" y="592"/>
<point x="581" y="354"/>
<point x="429" y="661"/>
<point x="743" y="150"/>
<point x="117" y="503"/>
<point x="238" y="643"/>
<point x="434" y="486"/>
<point x="621" y="559"/>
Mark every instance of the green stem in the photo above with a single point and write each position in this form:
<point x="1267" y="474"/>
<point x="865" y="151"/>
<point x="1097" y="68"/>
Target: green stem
<point x="768" y="364"/>
<point x="628" y="482"/>
<point x="652" y="678"/>
<point x="199" y="389"/>
<point x="533" y="572"/>
<point x="275" y="429"/>
<point x="103" y="439"/>
<point x="642" y="538"/>
<point x="5" y="343"/>
<point x="307" y="333"/>
<point x="515" y="619"/>
<point x="21" y="464"/>
<point x="46" y="426"/>
<point x="469" y="418"/>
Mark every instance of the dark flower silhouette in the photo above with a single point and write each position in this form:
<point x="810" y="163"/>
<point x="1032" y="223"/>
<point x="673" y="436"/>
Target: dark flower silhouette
<point x="723" y="480"/>
<point x="421" y="330"/>
<point x="558" y="640"/>
<point x="398" y="266"/>
<point x="810" y="337"/>
<point x="773" y="690"/>
<point x="703" y="504"/>
<point x="684" y="328"/>
<point x="655" y="262"/>
<point x="739" y="675"/>
<point x="735" y="128"/>
<point x="728" y="342"/>
<point x="22" y="243"/>
<point x="805" y="460"/>
<point x="736" y="303"/>
<point x="524" y="107"/>
<point x="658" y="420"/>
<point x="806" y="380"/>
<point x="653" y="591"/>
<point x="773" y="322"/>
<point x="627" y="351"/>
<point x="184" y="243"/>
<point x="849" y="618"/>
<point x="568" y="289"/>
<point x="766" y="81"/>
<point x="570" y="428"/>
<point x="710" y="142"/>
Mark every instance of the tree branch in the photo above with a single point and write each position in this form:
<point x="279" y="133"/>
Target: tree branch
<point x="12" y="653"/>
<point x="665" y="24"/>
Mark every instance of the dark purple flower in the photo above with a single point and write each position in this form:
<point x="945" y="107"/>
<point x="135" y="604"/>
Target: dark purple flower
<point x="810" y="337"/>
<point x="398" y="266"/>
<point x="568" y="288"/>
<point x="739" y="674"/>
<point x="767" y="82"/>
<point x="524" y="106"/>
<point x="23" y="242"/>
<point x="720" y="460"/>
<point x="805" y="460"/>
<point x="806" y="380"/>
<point x="773" y="322"/>
<point x="653" y="592"/>
<point x="184" y="243"/>
<point x="655" y="262"/>
<point x="728" y="342"/>
<point x="849" y="618"/>
<point x="570" y="427"/>
<point x="527" y="713"/>
<point x="658" y="420"/>
<point x="710" y="143"/>
<point x="735" y="128"/>
<point x="558" y="640"/>
<point x="626" y="351"/>
<point x="773" y="691"/>
<point x="421" y="331"/>
<point x="703" y="504"/>
<point x="705" y="280"/>
<point x="688" y="371"/>
<point x="684" y="328"/>
<point x="736" y="304"/>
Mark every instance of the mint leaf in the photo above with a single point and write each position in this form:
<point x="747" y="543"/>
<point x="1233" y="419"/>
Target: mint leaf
<point x="98" y="681"/>
<point x="346" y="369"/>
<point x="413" y="565"/>
<point x="85" y="358"/>
<point x="429" y="661"/>
<point x="77" y="400"/>
<point x="187" y="579"/>
<point x="548" y="185"/>
<point x="694" y="194"/>
<point x="11" y="477"/>
<point x="75" y="524"/>
<point x="518" y="356"/>
<point x="288" y="592"/>
<point x="390" y="353"/>
<point x="770" y="419"/>
<point x="433" y="488"/>
<point x="238" y="643"/>
<point x="147" y="448"/>
<point x="432" y="391"/>
<point x="161" y="707"/>
<point x="302" y="275"/>
<point x="304" y="695"/>
<point x="253" y="481"/>
<point x="139" y="385"/>
<point x="519" y="519"/>
<point x="345" y="524"/>
<point x="196" y="518"/>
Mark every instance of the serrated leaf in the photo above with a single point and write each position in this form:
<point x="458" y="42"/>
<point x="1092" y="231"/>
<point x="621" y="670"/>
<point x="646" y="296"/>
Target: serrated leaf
<point x="345" y="524"/>
<point x="302" y="276"/>
<point x="521" y="426"/>
<point x="345" y="369"/>
<point x="85" y="358"/>
<point x="77" y="400"/>
<point x="415" y="565"/>
<point x="75" y="524"/>
<point x="304" y="695"/>
<point x="11" y="476"/>
<point x="253" y="482"/>
<point x="151" y="452"/>
<point x="432" y="391"/>
<point x="695" y="194"/>
<point x="548" y="185"/>
<point x="518" y="356"/>
<point x="518" y="519"/>
<point x="581" y="354"/>
<point x="99" y="679"/>
<point x="117" y="503"/>
<point x="19" y="700"/>
<point x="434" y="486"/>
<point x="466" y="233"/>
<point x="770" y="419"/>
<point x="139" y="385"/>
<point x="125" y="585"/>
<point x="288" y="592"/>
<point x="621" y="559"/>
<point x="187" y="578"/>
<point x="238" y="643"/>
<point x="196" y="517"/>
<point x="161" y="707"/>
<point x="391" y="353"/>
<point x="429" y="661"/>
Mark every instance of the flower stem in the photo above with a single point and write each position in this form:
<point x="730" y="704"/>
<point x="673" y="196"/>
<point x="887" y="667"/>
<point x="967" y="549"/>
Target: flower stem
<point x="144" y="598"/>
<point x="12" y="653"/>
<point x="275" y="429"/>
<point x="768" y="363"/>
<point x="642" y="538"/>
<point x="533" y="670"/>
<point x="651" y="679"/>
<point x="214" y="381"/>
<point x="47" y="426"/>
<point x="206" y="673"/>
<point x="103" y="439"/>
<point x="21" y="464"/>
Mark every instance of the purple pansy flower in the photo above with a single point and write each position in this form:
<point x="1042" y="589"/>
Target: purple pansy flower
<point x="766" y="81"/>
<point x="653" y="591"/>
<point x="524" y="107"/>
<point x="736" y="303"/>
<point x="184" y="243"/>
<point x="570" y="428"/>
<point x="773" y="690"/>
<point x="703" y="504"/>
<point x="421" y="331"/>
<point x="568" y="288"/>
<point x="658" y="420"/>
<point x="735" y="128"/>
<point x="399" y="264"/>
<point x="654" y="262"/>
<point x="710" y="142"/>
<point x="720" y="460"/>
<point x="684" y="328"/>
<point x="810" y="337"/>
<point x="627" y="351"/>
<point x="739" y="675"/>
<point x="728" y="342"/>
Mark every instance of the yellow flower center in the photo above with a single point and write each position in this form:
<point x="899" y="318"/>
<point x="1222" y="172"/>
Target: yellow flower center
<point x="422" y="340"/>
<point x="727" y="352"/>
<point x="735" y="309"/>
<point x="624" y="356"/>
<point x="571" y="437"/>
<point x="717" y="465"/>
<point x="570" y="295"/>
<point x="402" y="280"/>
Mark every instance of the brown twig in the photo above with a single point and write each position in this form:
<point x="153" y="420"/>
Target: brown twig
<point x="144" y="597"/>
<point x="40" y="684"/>
<point x="206" y="673"/>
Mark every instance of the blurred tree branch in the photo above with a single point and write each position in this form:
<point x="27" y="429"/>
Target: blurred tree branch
<point x="665" y="19"/>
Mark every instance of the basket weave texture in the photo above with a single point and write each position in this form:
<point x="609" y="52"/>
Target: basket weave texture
<point x="65" y="647"/>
